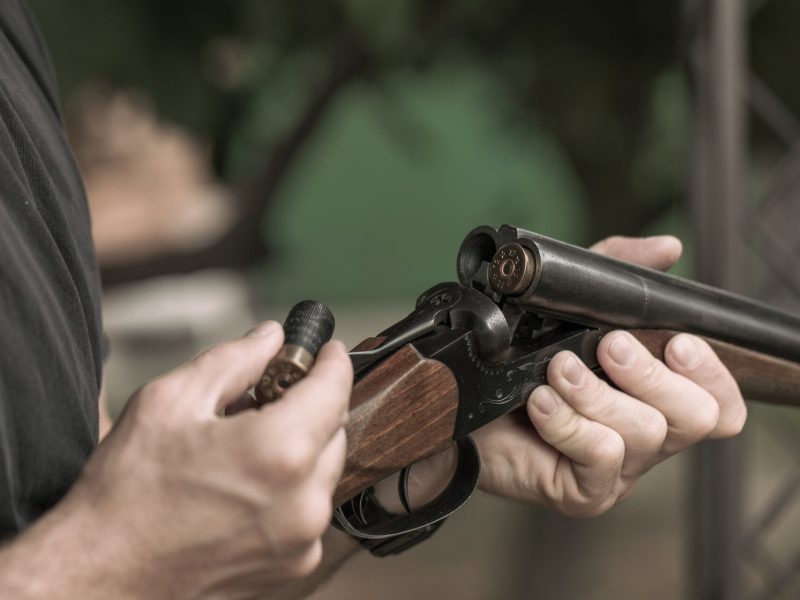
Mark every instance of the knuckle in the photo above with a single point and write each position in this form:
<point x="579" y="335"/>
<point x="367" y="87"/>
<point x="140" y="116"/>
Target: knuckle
<point x="651" y="376"/>
<point x="599" y="399"/>
<point x="150" y="392"/>
<point x="654" y="429"/>
<point x="565" y="429"/>
<point x="733" y="425"/>
<point x="306" y="562"/>
<point x="710" y="372"/>
<point x="312" y="516"/>
<point x="294" y="461"/>
<point x="317" y="516"/>
<point x="338" y="447"/>
<point x="590" y="393"/>
<point x="741" y="418"/>
<point x="715" y="377"/>
<point x="137" y="402"/>
<point x="156" y="394"/>
<point x="705" y="419"/>
<point x="608" y="448"/>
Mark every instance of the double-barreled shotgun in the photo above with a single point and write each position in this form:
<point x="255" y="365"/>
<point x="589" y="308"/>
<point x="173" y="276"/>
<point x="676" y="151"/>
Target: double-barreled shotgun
<point x="473" y="351"/>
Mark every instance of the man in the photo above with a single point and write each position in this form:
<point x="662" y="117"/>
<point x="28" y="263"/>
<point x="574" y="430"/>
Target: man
<point x="179" y="502"/>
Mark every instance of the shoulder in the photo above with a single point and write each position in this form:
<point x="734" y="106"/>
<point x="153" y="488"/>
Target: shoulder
<point x="20" y="36"/>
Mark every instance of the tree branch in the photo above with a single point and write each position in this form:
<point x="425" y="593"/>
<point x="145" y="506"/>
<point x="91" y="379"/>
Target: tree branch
<point x="243" y="244"/>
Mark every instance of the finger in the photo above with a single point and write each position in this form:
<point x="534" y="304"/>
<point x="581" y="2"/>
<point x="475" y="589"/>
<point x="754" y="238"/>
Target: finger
<point x="596" y="451"/>
<point x="221" y="374"/>
<point x="691" y="411"/>
<point x="642" y="427"/>
<point x="693" y="358"/>
<point x="657" y="252"/>
<point x="316" y="406"/>
<point x="307" y="506"/>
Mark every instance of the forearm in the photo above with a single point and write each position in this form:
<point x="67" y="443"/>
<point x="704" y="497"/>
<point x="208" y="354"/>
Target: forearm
<point x="70" y="554"/>
<point x="65" y="555"/>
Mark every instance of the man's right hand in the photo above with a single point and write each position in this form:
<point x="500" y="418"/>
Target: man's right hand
<point x="180" y="502"/>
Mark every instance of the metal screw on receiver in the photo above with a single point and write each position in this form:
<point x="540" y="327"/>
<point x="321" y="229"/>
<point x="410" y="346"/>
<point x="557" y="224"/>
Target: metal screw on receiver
<point x="307" y="327"/>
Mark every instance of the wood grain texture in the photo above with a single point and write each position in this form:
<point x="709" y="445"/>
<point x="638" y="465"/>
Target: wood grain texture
<point x="761" y="377"/>
<point x="401" y="412"/>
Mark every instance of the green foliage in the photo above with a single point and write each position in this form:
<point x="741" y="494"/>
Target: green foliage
<point x="378" y="204"/>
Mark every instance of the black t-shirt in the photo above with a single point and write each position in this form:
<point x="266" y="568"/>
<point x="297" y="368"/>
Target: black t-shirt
<point x="50" y="330"/>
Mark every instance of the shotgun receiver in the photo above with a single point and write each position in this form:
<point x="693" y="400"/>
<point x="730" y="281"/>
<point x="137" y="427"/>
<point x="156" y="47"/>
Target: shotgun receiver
<point x="473" y="351"/>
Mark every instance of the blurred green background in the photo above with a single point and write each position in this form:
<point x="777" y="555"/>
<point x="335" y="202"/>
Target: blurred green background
<point x="565" y="118"/>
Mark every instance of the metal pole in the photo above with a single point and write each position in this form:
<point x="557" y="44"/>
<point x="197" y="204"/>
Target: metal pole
<point x="717" y="67"/>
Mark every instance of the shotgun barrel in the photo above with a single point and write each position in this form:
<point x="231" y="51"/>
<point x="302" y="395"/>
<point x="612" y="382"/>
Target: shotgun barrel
<point x="568" y="282"/>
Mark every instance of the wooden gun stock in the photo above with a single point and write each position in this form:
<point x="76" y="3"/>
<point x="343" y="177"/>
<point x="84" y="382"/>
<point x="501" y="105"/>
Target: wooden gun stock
<point x="401" y="412"/>
<point x="405" y="409"/>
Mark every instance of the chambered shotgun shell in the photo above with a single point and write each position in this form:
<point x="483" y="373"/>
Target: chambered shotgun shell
<point x="511" y="270"/>
<point x="307" y="327"/>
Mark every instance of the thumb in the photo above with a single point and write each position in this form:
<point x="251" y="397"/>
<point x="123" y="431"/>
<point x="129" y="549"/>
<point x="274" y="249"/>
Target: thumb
<point x="220" y="375"/>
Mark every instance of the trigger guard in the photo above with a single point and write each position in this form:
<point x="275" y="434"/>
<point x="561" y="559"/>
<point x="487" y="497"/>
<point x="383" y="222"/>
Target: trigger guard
<point x="460" y="489"/>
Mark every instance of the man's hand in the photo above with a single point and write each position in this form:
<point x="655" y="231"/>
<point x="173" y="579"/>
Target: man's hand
<point x="179" y="502"/>
<point x="583" y="443"/>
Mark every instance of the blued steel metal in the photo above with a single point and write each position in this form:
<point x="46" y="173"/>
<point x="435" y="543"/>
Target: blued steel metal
<point x="449" y="304"/>
<point x="585" y="287"/>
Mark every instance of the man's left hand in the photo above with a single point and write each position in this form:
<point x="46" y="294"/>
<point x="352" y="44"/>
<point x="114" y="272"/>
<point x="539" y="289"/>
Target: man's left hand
<point x="583" y="443"/>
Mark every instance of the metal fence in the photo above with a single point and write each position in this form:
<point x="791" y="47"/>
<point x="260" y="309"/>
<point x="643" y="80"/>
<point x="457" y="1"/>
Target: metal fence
<point x="745" y="502"/>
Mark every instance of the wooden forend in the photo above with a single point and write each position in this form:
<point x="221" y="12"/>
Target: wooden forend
<point x="760" y="376"/>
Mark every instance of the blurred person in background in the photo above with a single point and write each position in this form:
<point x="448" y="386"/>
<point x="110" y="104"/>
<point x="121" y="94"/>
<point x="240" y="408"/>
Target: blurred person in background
<point x="180" y="502"/>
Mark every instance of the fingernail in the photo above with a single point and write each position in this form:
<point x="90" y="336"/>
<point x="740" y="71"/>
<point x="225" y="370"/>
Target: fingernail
<point x="621" y="350"/>
<point x="574" y="371"/>
<point x="265" y="329"/>
<point x="545" y="401"/>
<point x="684" y="350"/>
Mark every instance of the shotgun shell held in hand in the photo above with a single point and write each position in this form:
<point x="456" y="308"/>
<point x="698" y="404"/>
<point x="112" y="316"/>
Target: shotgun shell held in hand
<point x="307" y="327"/>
